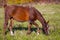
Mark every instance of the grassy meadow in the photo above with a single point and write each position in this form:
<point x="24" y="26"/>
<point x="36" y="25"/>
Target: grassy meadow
<point x="50" y="12"/>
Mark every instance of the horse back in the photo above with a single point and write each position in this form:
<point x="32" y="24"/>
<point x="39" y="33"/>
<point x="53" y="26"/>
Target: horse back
<point x="21" y="13"/>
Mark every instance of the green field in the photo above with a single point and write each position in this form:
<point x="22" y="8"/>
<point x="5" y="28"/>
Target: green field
<point x="50" y="12"/>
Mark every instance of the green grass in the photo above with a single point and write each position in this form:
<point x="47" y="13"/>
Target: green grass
<point x="50" y="12"/>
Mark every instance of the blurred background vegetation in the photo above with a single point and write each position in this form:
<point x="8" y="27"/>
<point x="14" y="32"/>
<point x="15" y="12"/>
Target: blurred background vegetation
<point x="30" y="1"/>
<point x="50" y="11"/>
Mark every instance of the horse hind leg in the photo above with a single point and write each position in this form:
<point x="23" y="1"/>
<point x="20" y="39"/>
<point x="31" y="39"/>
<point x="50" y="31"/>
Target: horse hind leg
<point x="5" y="23"/>
<point x="10" y="27"/>
<point x="5" y="26"/>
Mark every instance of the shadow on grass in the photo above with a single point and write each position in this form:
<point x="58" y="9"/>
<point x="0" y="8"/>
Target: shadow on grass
<point x="25" y="28"/>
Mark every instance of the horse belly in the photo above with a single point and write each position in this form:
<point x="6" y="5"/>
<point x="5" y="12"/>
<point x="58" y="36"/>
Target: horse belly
<point x="21" y="16"/>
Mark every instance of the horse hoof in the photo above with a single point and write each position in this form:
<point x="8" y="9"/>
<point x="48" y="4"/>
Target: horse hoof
<point x="29" y="32"/>
<point x="5" y="32"/>
<point x="38" y="33"/>
<point x="12" y="34"/>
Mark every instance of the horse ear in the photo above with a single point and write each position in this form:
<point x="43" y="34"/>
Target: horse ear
<point x="47" y="22"/>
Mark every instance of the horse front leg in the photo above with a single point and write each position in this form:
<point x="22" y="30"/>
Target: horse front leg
<point x="10" y="27"/>
<point x="37" y="26"/>
<point x="29" y="28"/>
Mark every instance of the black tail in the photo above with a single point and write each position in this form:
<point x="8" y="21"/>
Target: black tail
<point x="4" y="3"/>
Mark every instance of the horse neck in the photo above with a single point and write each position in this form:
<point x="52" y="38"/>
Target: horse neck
<point x="44" y="23"/>
<point x="41" y="18"/>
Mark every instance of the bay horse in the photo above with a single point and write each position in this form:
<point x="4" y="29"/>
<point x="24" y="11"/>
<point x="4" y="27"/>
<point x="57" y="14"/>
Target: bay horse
<point x="22" y="14"/>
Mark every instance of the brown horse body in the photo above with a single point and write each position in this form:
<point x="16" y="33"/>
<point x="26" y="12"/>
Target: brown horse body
<point x="23" y="14"/>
